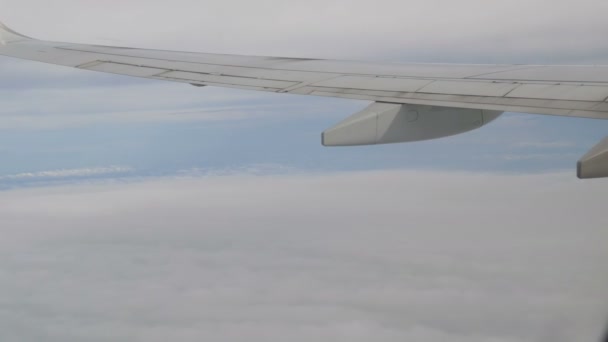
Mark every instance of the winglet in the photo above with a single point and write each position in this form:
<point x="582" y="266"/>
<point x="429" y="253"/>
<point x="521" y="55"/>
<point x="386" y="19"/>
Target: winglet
<point x="8" y="36"/>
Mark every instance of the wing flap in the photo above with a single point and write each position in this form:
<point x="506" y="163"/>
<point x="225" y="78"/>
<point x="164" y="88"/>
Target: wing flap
<point x="593" y="110"/>
<point x="474" y="88"/>
<point x="552" y="74"/>
<point x="560" y="92"/>
<point x="229" y="80"/>
<point x="123" y="69"/>
<point x="374" y="83"/>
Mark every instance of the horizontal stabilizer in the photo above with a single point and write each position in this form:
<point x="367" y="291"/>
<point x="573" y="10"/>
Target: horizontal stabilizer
<point x="386" y="123"/>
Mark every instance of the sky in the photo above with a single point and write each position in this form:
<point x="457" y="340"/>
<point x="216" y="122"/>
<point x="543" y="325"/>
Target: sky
<point x="141" y="210"/>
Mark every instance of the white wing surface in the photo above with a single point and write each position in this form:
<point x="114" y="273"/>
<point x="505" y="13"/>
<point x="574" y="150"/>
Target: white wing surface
<point x="560" y="90"/>
<point x="482" y="91"/>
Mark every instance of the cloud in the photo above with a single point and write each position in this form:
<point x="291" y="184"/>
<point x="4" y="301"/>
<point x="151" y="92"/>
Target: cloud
<point x="383" y="256"/>
<point x="68" y="173"/>
<point x="545" y="144"/>
<point x="535" y="156"/>
<point x="66" y="176"/>
<point x="438" y="30"/>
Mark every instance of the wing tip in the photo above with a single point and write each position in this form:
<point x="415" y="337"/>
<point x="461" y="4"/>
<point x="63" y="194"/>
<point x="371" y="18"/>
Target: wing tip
<point x="8" y="35"/>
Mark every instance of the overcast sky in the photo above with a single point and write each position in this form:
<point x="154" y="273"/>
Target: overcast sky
<point x="370" y="256"/>
<point x="138" y="210"/>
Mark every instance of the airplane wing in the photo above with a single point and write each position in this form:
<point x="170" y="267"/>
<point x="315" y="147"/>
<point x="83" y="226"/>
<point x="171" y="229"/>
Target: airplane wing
<point x="411" y="101"/>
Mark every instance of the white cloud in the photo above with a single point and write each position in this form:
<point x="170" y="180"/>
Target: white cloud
<point x="438" y="29"/>
<point x="68" y="173"/>
<point x="533" y="156"/>
<point x="544" y="144"/>
<point x="383" y="256"/>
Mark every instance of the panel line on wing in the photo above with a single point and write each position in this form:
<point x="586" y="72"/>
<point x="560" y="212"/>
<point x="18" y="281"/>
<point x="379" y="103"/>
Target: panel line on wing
<point x="198" y="77"/>
<point x="502" y="71"/>
<point x="219" y="84"/>
<point x="475" y="88"/>
<point x="546" y="91"/>
<point x="550" y="105"/>
<point x="560" y="92"/>
<point x="90" y="64"/>
<point x="511" y="107"/>
<point x="235" y="80"/>
<point x="219" y="74"/>
<point x="375" y="83"/>
<point x="124" y="69"/>
<point x="478" y="77"/>
<point x="306" y="84"/>
<point x="207" y="63"/>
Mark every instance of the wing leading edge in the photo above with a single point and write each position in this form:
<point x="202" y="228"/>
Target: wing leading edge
<point x="580" y="91"/>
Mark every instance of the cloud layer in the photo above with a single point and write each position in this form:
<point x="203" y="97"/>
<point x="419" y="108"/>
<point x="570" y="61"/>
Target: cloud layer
<point x="441" y="30"/>
<point x="383" y="256"/>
